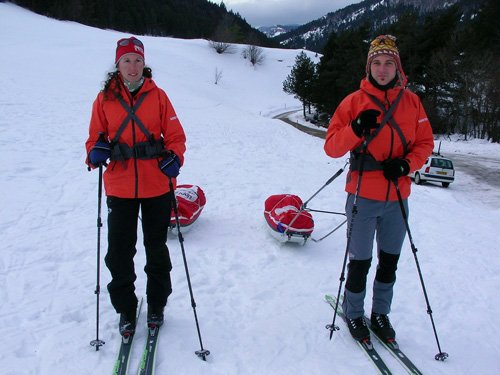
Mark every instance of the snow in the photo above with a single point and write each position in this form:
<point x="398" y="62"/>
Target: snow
<point x="259" y="302"/>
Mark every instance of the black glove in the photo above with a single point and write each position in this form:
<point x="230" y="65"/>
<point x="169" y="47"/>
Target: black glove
<point x="170" y="165"/>
<point x="395" y="168"/>
<point x="100" y="153"/>
<point x="365" y="121"/>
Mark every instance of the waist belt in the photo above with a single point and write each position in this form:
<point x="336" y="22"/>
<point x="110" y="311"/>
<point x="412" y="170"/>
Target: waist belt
<point x="141" y="150"/>
<point x="369" y="164"/>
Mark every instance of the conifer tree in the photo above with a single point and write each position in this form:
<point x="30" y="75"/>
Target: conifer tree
<point x="301" y="81"/>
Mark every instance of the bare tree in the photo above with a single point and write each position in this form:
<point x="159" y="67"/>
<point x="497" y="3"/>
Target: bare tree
<point x="221" y="47"/>
<point x="478" y="96"/>
<point x="254" y="54"/>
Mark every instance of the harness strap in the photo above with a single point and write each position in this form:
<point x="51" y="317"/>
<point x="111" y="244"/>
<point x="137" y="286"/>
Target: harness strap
<point x="131" y="116"/>
<point x="391" y="119"/>
<point x="387" y="117"/>
<point x="370" y="163"/>
<point x="150" y="149"/>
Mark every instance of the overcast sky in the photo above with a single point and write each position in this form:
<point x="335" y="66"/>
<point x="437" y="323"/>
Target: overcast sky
<point x="272" y="12"/>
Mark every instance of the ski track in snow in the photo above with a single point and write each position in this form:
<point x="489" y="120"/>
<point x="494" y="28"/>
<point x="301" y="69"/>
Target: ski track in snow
<point x="259" y="302"/>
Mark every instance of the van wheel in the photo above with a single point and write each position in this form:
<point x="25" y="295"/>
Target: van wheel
<point x="445" y="184"/>
<point x="418" y="180"/>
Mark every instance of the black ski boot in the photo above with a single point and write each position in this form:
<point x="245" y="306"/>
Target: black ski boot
<point x="358" y="328"/>
<point x="382" y="327"/>
<point x="155" y="316"/>
<point x="127" y="323"/>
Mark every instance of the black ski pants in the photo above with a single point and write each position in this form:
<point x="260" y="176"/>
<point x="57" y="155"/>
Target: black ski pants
<point x="122" y="238"/>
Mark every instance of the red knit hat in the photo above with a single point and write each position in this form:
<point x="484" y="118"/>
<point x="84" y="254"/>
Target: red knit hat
<point x="385" y="45"/>
<point x="129" y="45"/>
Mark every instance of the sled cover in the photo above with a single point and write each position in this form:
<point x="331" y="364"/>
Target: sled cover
<point x="190" y="202"/>
<point x="283" y="214"/>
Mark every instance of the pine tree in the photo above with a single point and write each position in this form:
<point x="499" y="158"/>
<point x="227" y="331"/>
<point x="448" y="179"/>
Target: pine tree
<point x="301" y="81"/>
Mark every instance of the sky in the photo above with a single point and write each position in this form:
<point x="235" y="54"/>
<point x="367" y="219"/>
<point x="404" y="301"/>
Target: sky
<point x="259" y="302"/>
<point x="283" y="12"/>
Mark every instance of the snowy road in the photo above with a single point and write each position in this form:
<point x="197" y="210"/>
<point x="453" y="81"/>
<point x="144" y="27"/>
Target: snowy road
<point x="306" y="129"/>
<point x="483" y="169"/>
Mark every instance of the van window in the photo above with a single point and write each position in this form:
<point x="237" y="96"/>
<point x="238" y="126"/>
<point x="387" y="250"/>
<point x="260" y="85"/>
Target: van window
<point x="441" y="163"/>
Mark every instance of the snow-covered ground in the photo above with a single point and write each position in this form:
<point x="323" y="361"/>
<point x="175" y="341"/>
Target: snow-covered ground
<point x="259" y="302"/>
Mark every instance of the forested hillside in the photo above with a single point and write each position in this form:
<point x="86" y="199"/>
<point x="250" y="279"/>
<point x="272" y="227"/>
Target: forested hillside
<point x="377" y="13"/>
<point x="177" y="18"/>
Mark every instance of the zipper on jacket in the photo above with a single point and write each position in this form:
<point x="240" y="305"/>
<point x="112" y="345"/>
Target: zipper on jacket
<point x="136" y="171"/>
<point x="387" y="106"/>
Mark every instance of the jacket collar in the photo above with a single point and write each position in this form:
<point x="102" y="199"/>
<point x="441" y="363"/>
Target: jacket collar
<point x="148" y="85"/>
<point x="389" y="94"/>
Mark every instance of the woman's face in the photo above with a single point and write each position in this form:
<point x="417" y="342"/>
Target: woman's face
<point x="131" y="66"/>
<point x="383" y="69"/>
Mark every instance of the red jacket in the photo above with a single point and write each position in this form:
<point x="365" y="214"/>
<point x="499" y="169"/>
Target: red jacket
<point x="137" y="178"/>
<point x="411" y="118"/>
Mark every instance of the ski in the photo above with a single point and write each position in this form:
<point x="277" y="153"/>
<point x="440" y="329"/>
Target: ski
<point x="392" y="346"/>
<point x="122" y="361"/>
<point x="366" y="345"/>
<point x="394" y="349"/>
<point x="147" y="364"/>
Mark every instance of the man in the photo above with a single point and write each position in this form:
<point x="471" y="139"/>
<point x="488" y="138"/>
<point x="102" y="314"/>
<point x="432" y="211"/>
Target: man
<point x="386" y="130"/>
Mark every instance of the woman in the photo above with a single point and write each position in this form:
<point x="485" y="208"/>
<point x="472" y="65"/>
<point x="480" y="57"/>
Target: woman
<point x="134" y="125"/>
<point x="386" y="130"/>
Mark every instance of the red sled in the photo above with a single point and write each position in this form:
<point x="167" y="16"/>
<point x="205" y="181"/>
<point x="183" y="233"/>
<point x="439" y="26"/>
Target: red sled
<point x="286" y="218"/>
<point x="190" y="202"/>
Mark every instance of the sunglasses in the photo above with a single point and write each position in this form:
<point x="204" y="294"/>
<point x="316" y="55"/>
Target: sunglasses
<point x="127" y="41"/>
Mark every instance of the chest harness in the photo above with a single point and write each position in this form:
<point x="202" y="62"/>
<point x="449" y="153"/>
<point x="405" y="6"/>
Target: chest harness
<point x="150" y="149"/>
<point x="370" y="164"/>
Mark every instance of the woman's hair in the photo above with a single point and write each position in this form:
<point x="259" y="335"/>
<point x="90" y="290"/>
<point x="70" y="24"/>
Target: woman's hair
<point x="112" y="84"/>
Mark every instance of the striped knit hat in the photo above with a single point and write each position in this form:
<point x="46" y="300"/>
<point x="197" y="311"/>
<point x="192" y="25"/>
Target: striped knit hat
<point x="385" y="45"/>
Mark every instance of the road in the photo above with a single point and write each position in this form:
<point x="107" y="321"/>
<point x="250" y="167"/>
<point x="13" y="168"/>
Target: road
<point x="314" y="132"/>
<point x="481" y="168"/>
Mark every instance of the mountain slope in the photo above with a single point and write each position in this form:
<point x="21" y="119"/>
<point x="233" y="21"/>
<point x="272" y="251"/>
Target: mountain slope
<point x="274" y="31"/>
<point x="314" y="35"/>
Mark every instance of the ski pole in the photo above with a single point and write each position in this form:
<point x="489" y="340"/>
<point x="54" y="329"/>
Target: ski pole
<point x="97" y="342"/>
<point x="202" y="353"/>
<point x="332" y="327"/>
<point x="441" y="356"/>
